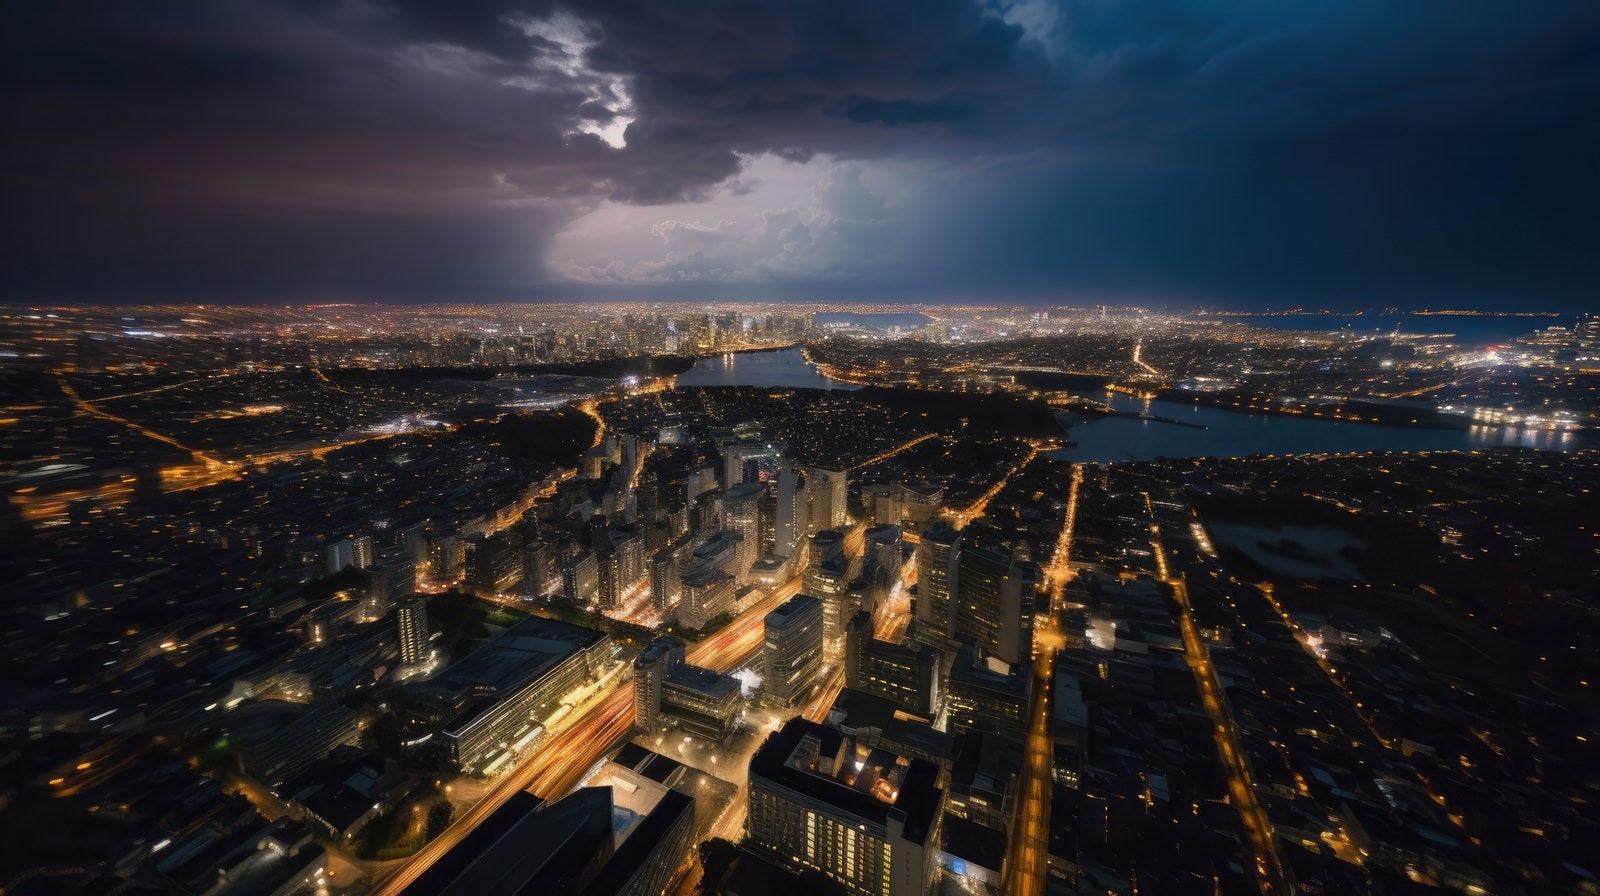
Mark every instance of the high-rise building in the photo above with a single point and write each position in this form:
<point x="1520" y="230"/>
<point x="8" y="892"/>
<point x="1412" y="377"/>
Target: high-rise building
<point x="361" y="551"/>
<point x="793" y="648"/>
<point x="791" y="520"/>
<point x="493" y="563"/>
<point x="627" y="542"/>
<point x="828" y="578"/>
<point x="580" y="578"/>
<point x="884" y="548"/>
<point x="995" y="598"/>
<point x="868" y="820"/>
<point x="768" y="508"/>
<point x="412" y="618"/>
<point x="826" y="493"/>
<point x="906" y="674"/>
<point x="920" y="502"/>
<point x="538" y="569"/>
<point x="985" y="694"/>
<point x="706" y="592"/>
<point x="337" y="555"/>
<point x="937" y="572"/>
<point x="883" y="502"/>
<point x="666" y="688"/>
<point x="721" y="551"/>
<point x="741" y="516"/>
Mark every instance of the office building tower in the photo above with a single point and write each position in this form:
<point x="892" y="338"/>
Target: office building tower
<point x="539" y="575"/>
<point x="493" y="563"/>
<point x="337" y="555"/>
<point x="720" y="552"/>
<point x="985" y="694"/>
<point x="667" y="689"/>
<point x="627" y="542"/>
<point x="361" y="551"/>
<point x="995" y="598"/>
<point x="884" y="548"/>
<point x="768" y="508"/>
<point x="580" y="578"/>
<point x="412" y="618"/>
<point x="791" y="512"/>
<point x="921" y="502"/>
<point x="869" y="820"/>
<point x="705" y="592"/>
<point x="828" y="579"/>
<point x="883" y="502"/>
<point x="741" y="517"/>
<point x="937" y="573"/>
<point x="792" y="652"/>
<point x="906" y="674"/>
<point x="826" y="494"/>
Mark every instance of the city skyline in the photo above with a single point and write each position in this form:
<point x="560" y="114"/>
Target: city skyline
<point x="346" y="600"/>
<point x="1228" y="155"/>
<point x="837" y="448"/>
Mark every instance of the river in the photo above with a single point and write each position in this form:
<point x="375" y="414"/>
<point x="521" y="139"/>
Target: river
<point x="787" y="369"/>
<point x="1235" y="434"/>
<point x="1226" y="433"/>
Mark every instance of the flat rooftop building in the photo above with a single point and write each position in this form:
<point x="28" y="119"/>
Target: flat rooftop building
<point x="511" y="685"/>
<point x="867" y="820"/>
<point x="667" y="689"/>
<point x="589" y="844"/>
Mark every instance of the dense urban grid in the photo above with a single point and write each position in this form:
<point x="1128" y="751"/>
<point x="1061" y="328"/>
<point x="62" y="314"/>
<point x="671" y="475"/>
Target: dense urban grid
<point x="785" y="599"/>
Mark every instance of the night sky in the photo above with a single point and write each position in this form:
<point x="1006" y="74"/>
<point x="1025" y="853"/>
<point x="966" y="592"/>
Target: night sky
<point x="1355" y="153"/>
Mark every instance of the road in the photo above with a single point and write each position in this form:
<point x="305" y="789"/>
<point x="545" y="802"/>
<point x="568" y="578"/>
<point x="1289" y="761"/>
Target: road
<point x="975" y="509"/>
<point x="1259" y="835"/>
<point x="1138" y="358"/>
<point x="601" y="726"/>
<point x="1028" y="856"/>
<point x="904" y="446"/>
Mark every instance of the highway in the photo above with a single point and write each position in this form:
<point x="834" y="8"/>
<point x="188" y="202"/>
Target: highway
<point x="1027" y="860"/>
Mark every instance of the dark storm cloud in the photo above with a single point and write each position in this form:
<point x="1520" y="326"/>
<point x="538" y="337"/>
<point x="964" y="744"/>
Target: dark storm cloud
<point x="410" y="149"/>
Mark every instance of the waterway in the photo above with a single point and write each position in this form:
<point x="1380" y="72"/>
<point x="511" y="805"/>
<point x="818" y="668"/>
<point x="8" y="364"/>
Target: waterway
<point x="1225" y="433"/>
<point x="786" y="369"/>
<point x="1235" y="434"/>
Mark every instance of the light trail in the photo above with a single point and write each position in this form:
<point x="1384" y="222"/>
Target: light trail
<point x="1138" y="358"/>
<point x="975" y="509"/>
<point x="1258" y="830"/>
<point x="1028" y="856"/>
<point x="905" y="446"/>
<point x="560" y="764"/>
<point x="88" y="408"/>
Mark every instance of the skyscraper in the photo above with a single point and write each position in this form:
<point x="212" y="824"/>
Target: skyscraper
<point x="994" y="603"/>
<point x="793" y="648"/>
<point x="827" y="579"/>
<point x="937" y="571"/>
<point x="412" y="618"/>
<point x="741" y="515"/>
<point x="827" y="495"/>
<point x="791" y="522"/>
<point x="906" y="674"/>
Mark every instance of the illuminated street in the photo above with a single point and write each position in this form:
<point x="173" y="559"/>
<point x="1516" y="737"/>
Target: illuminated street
<point x="1028" y="854"/>
<point x="1241" y="786"/>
